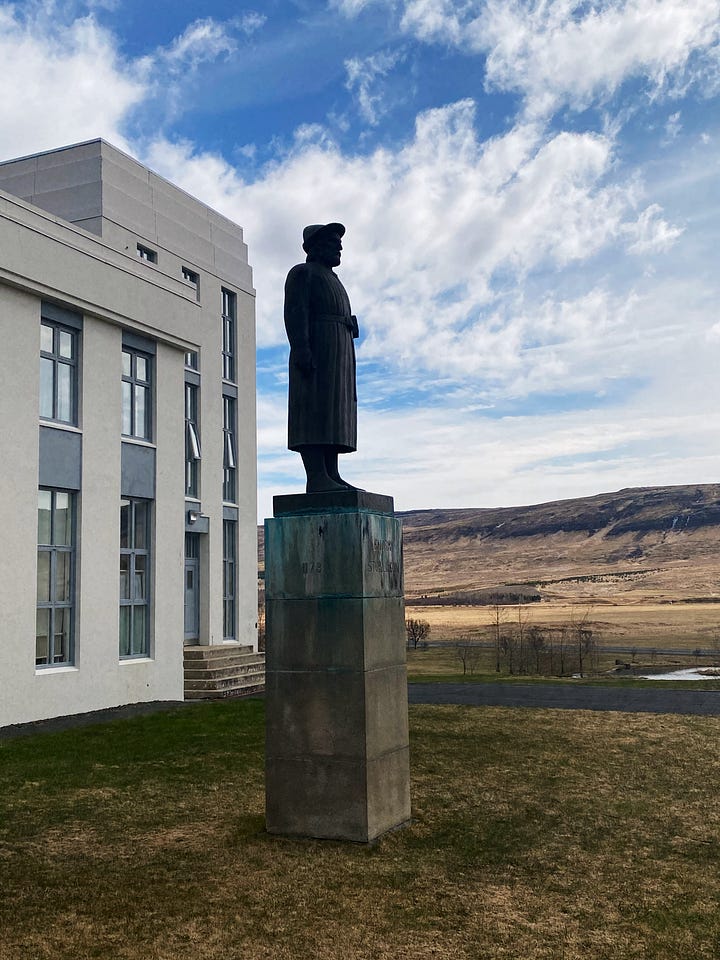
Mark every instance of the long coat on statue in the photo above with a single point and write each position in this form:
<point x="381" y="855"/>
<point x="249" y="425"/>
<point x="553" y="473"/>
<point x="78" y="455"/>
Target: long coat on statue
<point x="322" y="404"/>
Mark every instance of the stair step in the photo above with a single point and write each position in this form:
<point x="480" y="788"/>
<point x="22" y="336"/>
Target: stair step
<point x="238" y="691"/>
<point x="232" y="670"/>
<point x="224" y="663"/>
<point x="216" y="652"/>
<point x="227" y="670"/>
<point x="219" y="683"/>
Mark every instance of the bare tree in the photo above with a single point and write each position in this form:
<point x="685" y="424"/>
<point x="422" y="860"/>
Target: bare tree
<point x="537" y="644"/>
<point x="582" y="637"/>
<point x="499" y="618"/>
<point x="523" y="619"/>
<point x="468" y="654"/>
<point x="417" y="631"/>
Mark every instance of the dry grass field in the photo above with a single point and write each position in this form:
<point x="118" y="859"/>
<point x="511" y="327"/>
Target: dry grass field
<point x="643" y="625"/>
<point x="536" y="835"/>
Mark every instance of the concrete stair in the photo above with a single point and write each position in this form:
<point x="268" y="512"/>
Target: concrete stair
<point x="227" y="670"/>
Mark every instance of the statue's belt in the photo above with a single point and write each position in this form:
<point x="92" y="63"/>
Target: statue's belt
<point x="347" y="321"/>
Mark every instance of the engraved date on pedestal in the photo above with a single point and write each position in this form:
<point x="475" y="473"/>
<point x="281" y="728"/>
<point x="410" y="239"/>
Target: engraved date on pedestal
<point x="311" y="566"/>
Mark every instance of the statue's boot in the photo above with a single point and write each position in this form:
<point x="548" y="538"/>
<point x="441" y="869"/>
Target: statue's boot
<point x="318" y="479"/>
<point x="331" y="468"/>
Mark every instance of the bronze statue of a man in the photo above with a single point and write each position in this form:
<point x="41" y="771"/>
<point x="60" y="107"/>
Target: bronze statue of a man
<point x="322" y="404"/>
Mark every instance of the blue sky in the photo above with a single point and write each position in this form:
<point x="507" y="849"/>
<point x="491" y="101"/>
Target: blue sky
<point x="531" y="190"/>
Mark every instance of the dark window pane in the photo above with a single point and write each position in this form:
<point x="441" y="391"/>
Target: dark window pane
<point x="61" y="636"/>
<point x="125" y="631"/>
<point x="62" y="531"/>
<point x="126" y="408"/>
<point x="62" y="576"/>
<point x="46" y="387"/>
<point x="141" y="513"/>
<point x="140" y="582"/>
<point x="139" y="622"/>
<point x="65" y="344"/>
<point x="44" y="514"/>
<point x="46" y="338"/>
<point x="43" y="576"/>
<point x="64" y="392"/>
<point x="124" y="577"/>
<point x="42" y="637"/>
<point x="125" y="524"/>
<point x="140" y="412"/>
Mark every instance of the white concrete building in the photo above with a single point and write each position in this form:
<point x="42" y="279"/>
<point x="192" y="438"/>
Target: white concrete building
<point x="127" y="404"/>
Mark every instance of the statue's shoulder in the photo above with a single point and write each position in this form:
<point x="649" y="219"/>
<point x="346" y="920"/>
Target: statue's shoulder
<point x="299" y="271"/>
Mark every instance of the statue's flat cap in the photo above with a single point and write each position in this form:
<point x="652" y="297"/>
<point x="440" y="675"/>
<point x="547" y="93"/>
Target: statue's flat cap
<point x="314" y="232"/>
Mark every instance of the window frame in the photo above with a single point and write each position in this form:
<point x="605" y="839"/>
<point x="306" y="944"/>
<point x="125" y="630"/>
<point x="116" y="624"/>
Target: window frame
<point x="53" y="551"/>
<point x="136" y="383"/>
<point x="58" y="361"/>
<point x="229" y="335"/>
<point x="229" y="449"/>
<point x="146" y="254"/>
<point x="193" y="448"/>
<point x="230" y="579"/>
<point x="136" y="647"/>
<point x="193" y="278"/>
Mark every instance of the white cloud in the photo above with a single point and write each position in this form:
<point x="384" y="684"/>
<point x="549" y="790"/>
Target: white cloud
<point x="443" y="20"/>
<point x="250" y="22"/>
<point x="350" y="8"/>
<point x="442" y="234"/>
<point x="651" y="233"/>
<point x="673" y="126"/>
<point x="565" y="51"/>
<point x="363" y="75"/>
<point x="68" y="83"/>
<point x="558" y="52"/>
<point x="201" y="40"/>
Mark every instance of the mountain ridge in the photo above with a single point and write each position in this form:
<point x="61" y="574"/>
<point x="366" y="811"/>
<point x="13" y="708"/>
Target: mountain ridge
<point x="658" y="542"/>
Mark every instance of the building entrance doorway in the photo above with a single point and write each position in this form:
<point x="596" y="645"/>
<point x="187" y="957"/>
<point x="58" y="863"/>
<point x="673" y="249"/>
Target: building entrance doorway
<point x="192" y="587"/>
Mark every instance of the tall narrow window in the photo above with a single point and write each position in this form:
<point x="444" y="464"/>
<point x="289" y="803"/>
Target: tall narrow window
<point x="58" y="372"/>
<point x="229" y="572"/>
<point x="229" y="446"/>
<point x="136" y="394"/>
<point x="55" y="578"/>
<point x="189" y="276"/>
<point x="192" y="360"/>
<point x="134" y="578"/>
<point x="192" y="440"/>
<point x="229" y="312"/>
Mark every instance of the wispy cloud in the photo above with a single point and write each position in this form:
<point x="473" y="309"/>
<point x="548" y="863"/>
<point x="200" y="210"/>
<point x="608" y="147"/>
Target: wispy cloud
<point x="363" y="76"/>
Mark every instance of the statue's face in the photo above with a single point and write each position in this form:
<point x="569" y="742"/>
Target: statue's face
<point x="327" y="250"/>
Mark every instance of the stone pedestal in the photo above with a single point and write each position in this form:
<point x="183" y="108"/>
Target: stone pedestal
<point x="337" y="760"/>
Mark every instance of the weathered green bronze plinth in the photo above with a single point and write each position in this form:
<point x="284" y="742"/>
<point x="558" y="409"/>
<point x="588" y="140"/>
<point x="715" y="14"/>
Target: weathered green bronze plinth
<point x="337" y="759"/>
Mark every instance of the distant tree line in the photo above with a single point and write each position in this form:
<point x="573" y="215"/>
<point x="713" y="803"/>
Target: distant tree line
<point x="527" y="649"/>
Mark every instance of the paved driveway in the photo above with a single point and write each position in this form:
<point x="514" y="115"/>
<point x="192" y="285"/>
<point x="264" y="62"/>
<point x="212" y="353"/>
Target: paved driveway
<point x="566" y="696"/>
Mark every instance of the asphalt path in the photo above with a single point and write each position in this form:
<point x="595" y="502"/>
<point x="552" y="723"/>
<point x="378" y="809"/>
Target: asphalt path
<point x="554" y="696"/>
<point x="557" y="696"/>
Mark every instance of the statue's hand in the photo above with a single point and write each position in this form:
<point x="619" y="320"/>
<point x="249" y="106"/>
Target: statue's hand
<point x="302" y="358"/>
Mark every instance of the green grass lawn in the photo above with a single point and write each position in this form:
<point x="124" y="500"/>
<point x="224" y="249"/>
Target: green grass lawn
<point x="536" y="834"/>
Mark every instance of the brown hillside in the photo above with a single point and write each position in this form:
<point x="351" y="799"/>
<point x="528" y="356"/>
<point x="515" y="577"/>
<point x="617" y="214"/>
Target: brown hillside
<point x="660" y="543"/>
